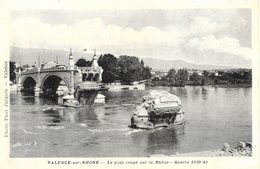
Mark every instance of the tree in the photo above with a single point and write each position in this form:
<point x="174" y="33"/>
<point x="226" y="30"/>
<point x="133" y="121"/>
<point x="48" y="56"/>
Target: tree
<point x="171" y="76"/>
<point x="142" y="63"/>
<point x="109" y="64"/>
<point x="108" y="76"/>
<point x="126" y="68"/>
<point x="12" y="68"/>
<point x="205" y="73"/>
<point x="195" y="77"/>
<point x="108" y="61"/>
<point x="146" y="73"/>
<point x="83" y="63"/>
<point x="248" y="75"/>
<point x="171" y="73"/>
<point x="181" y="77"/>
<point x="130" y="69"/>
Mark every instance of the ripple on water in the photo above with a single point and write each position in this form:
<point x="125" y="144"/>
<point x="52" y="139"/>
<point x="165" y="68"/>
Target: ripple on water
<point x="28" y="132"/>
<point x="107" y="130"/>
<point x="19" y="144"/>
<point x="45" y="127"/>
<point x="83" y="125"/>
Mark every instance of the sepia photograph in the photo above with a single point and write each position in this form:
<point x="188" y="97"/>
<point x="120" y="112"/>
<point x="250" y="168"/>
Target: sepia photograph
<point x="152" y="83"/>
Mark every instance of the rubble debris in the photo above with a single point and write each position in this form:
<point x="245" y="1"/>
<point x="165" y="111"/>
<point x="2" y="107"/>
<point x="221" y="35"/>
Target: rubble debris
<point x="159" y="109"/>
<point x="226" y="147"/>
<point x="242" y="149"/>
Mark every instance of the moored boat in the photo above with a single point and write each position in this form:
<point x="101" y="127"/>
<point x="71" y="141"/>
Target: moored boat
<point x="100" y="99"/>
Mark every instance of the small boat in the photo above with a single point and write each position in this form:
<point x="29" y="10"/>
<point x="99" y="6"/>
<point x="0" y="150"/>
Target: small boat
<point x="159" y="109"/>
<point x="70" y="101"/>
<point x="62" y="90"/>
<point x="100" y="99"/>
<point x="127" y="87"/>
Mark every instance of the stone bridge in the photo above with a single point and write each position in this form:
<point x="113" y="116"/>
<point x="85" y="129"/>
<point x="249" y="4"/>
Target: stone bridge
<point x="46" y="81"/>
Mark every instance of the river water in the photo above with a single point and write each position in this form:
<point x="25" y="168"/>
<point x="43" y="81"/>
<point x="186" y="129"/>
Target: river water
<point x="40" y="127"/>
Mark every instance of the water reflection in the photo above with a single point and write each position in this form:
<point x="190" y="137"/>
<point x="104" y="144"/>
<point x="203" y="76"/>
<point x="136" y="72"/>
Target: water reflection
<point x="159" y="140"/>
<point x="180" y="92"/>
<point x="169" y="135"/>
<point x="165" y="139"/>
<point x="204" y="93"/>
<point x="247" y="92"/>
<point x="194" y="93"/>
<point x="89" y="114"/>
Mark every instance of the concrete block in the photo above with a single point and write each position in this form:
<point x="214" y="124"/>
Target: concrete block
<point x="226" y="147"/>
<point x="249" y="144"/>
<point x="241" y="144"/>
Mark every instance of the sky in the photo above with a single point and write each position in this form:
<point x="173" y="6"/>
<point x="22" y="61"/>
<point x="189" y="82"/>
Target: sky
<point x="205" y="36"/>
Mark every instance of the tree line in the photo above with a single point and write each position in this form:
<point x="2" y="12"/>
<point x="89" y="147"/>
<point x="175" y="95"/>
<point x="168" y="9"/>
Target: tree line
<point x="125" y="69"/>
<point x="182" y="77"/>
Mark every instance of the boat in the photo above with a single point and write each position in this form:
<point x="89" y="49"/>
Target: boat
<point x="62" y="90"/>
<point x="127" y="87"/>
<point x="100" y="99"/>
<point x="159" y="109"/>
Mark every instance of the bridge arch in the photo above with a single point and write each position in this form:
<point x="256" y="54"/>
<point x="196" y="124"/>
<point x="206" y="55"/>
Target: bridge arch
<point x="29" y="82"/>
<point x="50" y="83"/>
<point x="28" y="76"/>
<point x="96" y="77"/>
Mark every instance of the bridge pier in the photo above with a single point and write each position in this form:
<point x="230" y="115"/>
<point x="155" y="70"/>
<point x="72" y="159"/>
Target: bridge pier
<point x="72" y="84"/>
<point x="37" y="91"/>
<point x="19" y="86"/>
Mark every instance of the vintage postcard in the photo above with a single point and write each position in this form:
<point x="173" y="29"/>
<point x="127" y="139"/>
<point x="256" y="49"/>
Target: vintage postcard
<point x="119" y="84"/>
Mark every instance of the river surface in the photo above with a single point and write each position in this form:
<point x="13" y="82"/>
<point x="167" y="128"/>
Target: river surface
<point x="40" y="127"/>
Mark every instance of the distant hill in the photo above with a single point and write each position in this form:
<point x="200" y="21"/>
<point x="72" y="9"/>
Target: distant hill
<point x="160" y="64"/>
<point x="30" y="56"/>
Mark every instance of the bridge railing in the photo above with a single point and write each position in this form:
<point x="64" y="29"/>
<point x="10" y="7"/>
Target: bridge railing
<point x="84" y="68"/>
<point x="55" y="68"/>
<point x="30" y="70"/>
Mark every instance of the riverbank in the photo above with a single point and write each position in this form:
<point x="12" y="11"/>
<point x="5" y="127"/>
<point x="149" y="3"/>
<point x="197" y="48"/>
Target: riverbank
<point x="233" y="85"/>
<point x="225" y="85"/>
<point x="241" y="150"/>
